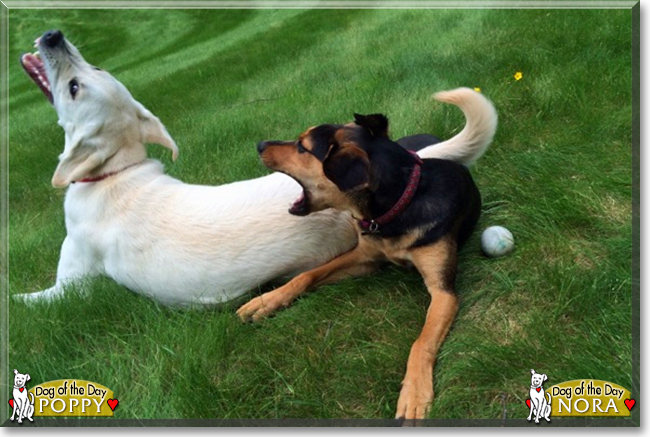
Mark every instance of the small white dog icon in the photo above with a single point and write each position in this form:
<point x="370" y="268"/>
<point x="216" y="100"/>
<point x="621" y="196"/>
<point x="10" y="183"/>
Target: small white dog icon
<point x="538" y="403"/>
<point x="22" y="406"/>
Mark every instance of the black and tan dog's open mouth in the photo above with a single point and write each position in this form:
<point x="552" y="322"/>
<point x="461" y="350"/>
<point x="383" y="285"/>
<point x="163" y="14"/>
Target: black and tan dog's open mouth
<point x="301" y="206"/>
<point x="35" y="68"/>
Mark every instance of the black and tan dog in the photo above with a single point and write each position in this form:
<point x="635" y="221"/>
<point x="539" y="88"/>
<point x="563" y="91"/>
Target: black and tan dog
<point x="409" y="211"/>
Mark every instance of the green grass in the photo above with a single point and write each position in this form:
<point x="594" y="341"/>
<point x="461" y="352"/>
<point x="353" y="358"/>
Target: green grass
<point x="558" y="175"/>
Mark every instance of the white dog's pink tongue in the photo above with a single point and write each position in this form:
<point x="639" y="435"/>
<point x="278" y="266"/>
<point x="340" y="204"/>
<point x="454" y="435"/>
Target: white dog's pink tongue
<point x="34" y="67"/>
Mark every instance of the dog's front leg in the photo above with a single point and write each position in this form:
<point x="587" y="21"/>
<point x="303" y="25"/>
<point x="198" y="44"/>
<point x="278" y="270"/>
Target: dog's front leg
<point x="21" y="410"/>
<point x="75" y="263"/>
<point x="547" y="411"/>
<point x="538" y="409"/>
<point x="356" y="262"/>
<point x="437" y="264"/>
<point x="532" y="409"/>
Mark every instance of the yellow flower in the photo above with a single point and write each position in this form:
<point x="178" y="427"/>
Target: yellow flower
<point x="518" y="75"/>
<point x="477" y="89"/>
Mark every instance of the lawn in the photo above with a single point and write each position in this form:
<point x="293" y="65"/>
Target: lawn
<point x="558" y="175"/>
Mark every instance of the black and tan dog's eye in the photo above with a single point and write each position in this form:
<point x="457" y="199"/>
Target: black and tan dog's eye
<point x="74" y="87"/>
<point x="301" y="148"/>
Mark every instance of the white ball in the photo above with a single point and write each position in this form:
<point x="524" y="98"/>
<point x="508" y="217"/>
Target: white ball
<point x="497" y="241"/>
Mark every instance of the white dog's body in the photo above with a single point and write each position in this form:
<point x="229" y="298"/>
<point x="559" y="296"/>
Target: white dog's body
<point x="540" y="405"/>
<point x="177" y="243"/>
<point x="185" y="244"/>
<point x="23" y="408"/>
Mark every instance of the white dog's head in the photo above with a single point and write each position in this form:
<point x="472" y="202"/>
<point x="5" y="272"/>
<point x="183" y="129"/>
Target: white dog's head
<point x="20" y="380"/>
<point x="97" y="112"/>
<point x="537" y="379"/>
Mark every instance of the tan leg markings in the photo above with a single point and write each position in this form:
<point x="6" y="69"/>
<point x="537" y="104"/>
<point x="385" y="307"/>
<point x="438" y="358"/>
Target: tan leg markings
<point x="437" y="264"/>
<point x="356" y="262"/>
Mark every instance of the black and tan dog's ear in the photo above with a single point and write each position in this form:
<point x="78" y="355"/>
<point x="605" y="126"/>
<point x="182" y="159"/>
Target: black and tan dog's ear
<point x="348" y="168"/>
<point x="376" y="124"/>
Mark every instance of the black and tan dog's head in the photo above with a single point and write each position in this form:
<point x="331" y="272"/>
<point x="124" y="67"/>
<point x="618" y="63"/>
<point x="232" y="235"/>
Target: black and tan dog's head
<point x="330" y="162"/>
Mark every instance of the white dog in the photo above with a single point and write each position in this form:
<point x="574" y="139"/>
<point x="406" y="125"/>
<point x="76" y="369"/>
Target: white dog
<point x="177" y="243"/>
<point x="539" y="405"/>
<point x="22" y="407"/>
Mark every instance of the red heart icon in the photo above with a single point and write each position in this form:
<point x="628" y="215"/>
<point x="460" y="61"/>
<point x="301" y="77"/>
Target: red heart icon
<point x="11" y="403"/>
<point x="528" y="402"/>
<point x="538" y="389"/>
<point x="112" y="403"/>
<point x="629" y="403"/>
<point x="21" y="389"/>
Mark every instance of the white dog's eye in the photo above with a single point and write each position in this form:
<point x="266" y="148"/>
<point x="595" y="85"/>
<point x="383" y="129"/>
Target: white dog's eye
<point x="74" y="87"/>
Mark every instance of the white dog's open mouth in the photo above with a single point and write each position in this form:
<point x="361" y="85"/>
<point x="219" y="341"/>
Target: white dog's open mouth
<point x="35" y="68"/>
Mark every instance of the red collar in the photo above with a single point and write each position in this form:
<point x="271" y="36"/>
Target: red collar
<point x="105" y="175"/>
<point x="372" y="226"/>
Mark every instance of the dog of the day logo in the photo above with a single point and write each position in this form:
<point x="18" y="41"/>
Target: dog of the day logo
<point x="577" y="398"/>
<point x="540" y="401"/>
<point x="60" y="398"/>
<point x="20" y="403"/>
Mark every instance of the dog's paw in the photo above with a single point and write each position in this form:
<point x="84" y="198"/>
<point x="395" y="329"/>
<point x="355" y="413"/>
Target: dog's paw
<point x="415" y="400"/>
<point x="24" y="298"/>
<point x="48" y="295"/>
<point x="260" y="307"/>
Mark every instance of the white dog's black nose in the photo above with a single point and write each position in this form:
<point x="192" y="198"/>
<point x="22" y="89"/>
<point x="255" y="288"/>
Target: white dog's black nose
<point x="52" y="38"/>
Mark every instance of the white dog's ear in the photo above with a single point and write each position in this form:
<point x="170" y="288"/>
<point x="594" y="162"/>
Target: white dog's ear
<point x="544" y="375"/>
<point x="154" y="132"/>
<point x="532" y="371"/>
<point x="15" y="371"/>
<point x="27" y="377"/>
<point x="75" y="168"/>
<point x="79" y="158"/>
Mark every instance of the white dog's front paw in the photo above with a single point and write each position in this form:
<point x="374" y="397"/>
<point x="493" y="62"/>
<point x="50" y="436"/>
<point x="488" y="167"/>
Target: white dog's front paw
<point x="42" y="296"/>
<point x="27" y="298"/>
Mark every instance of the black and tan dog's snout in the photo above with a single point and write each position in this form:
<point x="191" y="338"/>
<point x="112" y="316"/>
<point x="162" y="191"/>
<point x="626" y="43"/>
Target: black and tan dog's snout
<point x="265" y="155"/>
<point x="271" y="154"/>
<point x="261" y="146"/>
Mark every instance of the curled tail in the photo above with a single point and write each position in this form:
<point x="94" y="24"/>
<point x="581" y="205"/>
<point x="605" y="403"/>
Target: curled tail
<point x="32" y="394"/>
<point x="468" y="145"/>
<point x="548" y="396"/>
